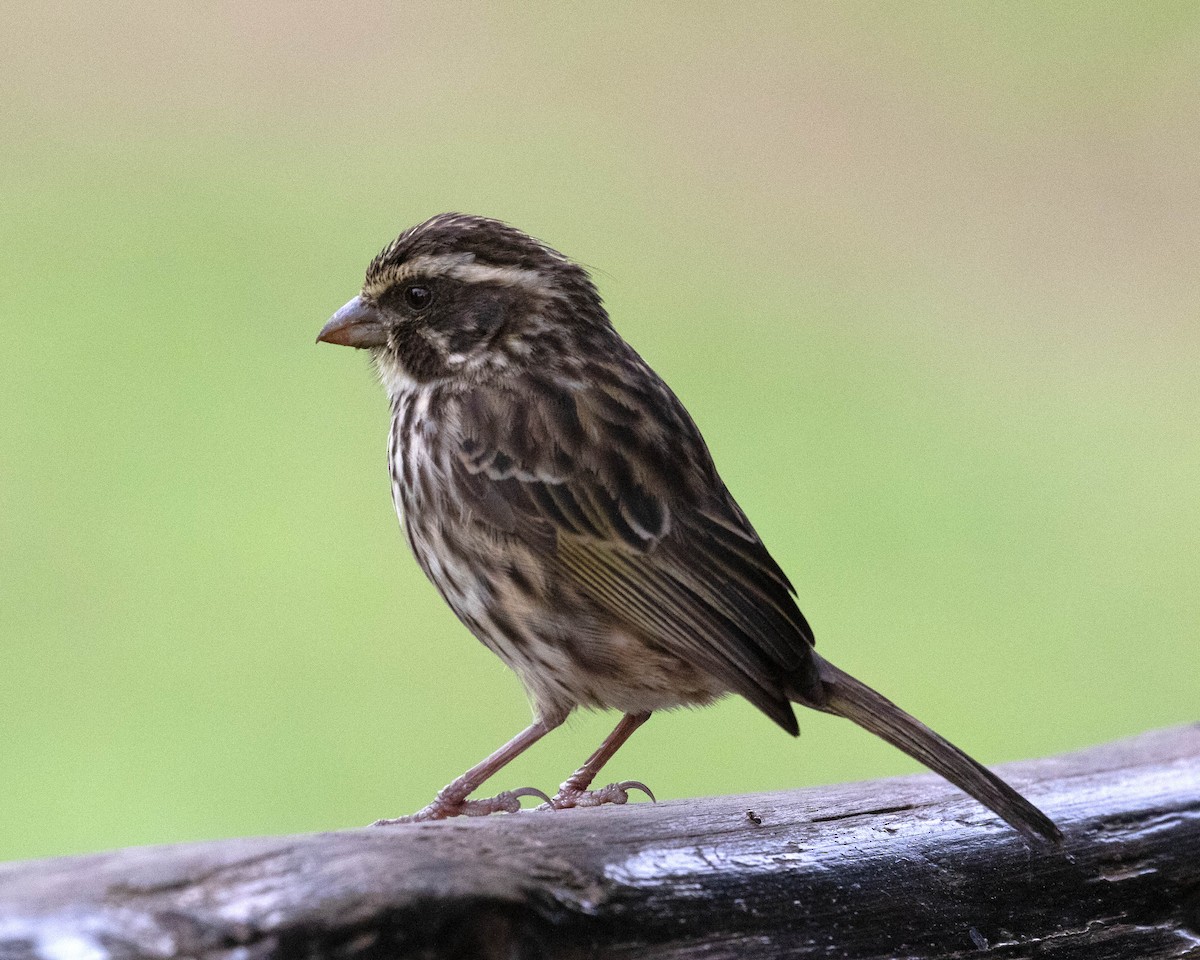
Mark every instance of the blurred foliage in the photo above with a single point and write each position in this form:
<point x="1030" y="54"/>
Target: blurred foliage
<point x="925" y="277"/>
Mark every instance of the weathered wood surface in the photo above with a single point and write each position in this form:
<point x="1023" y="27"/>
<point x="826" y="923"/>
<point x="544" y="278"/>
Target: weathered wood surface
<point x="893" y="868"/>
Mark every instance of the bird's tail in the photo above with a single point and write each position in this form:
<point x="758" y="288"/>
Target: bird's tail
<point x="847" y="697"/>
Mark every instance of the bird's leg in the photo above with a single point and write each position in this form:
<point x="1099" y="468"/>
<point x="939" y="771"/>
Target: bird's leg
<point x="575" y="793"/>
<point x="451" y="800"/>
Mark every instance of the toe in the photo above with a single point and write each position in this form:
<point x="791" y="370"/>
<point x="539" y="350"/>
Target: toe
<point x="610" y="793"/>
<point x="442" y="809"/>
<point x="435" y="811"/>
<point x="615" y="793"/>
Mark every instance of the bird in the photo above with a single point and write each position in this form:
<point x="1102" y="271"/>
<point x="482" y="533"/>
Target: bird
<point x="562" y="500"/>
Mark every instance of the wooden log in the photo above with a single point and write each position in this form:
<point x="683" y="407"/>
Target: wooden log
<point x="906" y="867"/>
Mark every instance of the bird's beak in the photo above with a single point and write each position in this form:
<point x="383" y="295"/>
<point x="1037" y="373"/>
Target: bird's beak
<point x="357" y="324"/>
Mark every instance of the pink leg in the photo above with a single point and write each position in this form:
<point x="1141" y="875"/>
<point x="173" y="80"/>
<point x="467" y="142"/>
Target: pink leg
<point x="451" y="800"/>
<point x="575" y="793"/>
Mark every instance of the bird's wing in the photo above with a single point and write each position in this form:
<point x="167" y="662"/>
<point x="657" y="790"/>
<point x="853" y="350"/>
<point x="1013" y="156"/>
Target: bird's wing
<point x="615" y="481"/>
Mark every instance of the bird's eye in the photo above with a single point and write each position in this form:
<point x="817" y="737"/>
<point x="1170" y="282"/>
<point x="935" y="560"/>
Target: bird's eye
<point x="418" y="297"/>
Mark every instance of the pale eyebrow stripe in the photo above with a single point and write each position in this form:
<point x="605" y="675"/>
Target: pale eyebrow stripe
<point x="462" y="266"/>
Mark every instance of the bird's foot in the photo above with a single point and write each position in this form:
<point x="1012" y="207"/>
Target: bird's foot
<point x="571" y="796"/>
<point x="444" y="807"/>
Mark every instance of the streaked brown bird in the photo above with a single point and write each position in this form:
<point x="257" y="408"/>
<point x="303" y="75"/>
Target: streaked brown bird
<point x="563" y="502"/>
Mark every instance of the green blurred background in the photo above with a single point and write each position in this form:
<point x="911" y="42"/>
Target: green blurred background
<point x="925" y="277"/>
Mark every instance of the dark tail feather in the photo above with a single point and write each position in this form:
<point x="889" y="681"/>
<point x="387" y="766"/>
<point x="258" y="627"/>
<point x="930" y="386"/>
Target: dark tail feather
<point x="872" y="711"/>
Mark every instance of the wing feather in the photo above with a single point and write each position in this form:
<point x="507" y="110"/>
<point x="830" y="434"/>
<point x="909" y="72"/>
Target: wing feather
<point x="656" y="541"/>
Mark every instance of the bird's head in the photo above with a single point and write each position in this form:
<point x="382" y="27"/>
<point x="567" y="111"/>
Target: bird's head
<point x="463" y="297"/>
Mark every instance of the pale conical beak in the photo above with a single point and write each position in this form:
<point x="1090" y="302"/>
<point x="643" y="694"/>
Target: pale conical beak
<point x="357" y="324"/>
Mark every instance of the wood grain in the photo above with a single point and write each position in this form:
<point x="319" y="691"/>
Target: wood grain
<point x="906" y="867"/>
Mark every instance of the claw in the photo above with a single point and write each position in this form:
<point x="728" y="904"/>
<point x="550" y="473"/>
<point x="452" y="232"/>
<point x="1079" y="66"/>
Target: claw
<point x="638" y="785"/>
<point x="530" y="792"/>
<point x="392" y="821"/>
